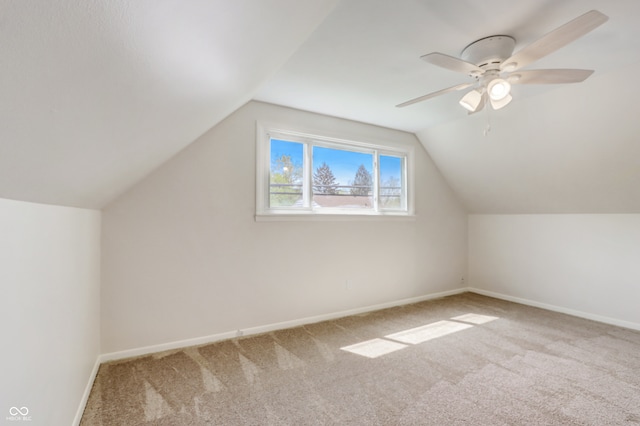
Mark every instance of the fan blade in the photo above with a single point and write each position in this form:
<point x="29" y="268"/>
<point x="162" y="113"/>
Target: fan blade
<point x="557" y="76"/>
<point x="434" y="94"/>
<point x="554" y="40"/>
<point x="453" y="64"/>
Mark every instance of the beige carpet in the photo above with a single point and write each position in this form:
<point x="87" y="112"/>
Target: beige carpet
<point x="459" y="360"/>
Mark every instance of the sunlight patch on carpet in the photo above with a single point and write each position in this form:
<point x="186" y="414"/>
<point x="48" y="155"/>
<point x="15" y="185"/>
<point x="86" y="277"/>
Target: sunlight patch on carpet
<point x="413" y="336"/>
<point x="475" y="318"/>
<point x="427" y="332"/>
<point x="374" y="348"/>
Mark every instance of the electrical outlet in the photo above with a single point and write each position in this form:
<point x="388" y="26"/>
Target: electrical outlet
<point x="347" y="285"/>
<point x="239" y="333"/>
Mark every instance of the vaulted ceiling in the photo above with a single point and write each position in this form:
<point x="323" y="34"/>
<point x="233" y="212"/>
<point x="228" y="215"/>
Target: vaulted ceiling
<point x="95" y="95"/>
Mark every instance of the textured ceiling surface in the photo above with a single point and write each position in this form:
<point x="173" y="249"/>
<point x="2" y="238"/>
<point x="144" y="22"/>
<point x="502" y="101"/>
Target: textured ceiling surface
<point x="95" y="95"/>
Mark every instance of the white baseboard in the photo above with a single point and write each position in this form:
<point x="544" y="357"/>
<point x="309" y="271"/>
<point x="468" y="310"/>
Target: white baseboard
<point x="563" y="310"/>
<point x="87" y="392"/>
<point x="130" y="353"/>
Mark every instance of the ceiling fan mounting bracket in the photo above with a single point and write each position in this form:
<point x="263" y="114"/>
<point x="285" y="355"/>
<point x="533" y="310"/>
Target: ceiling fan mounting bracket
<point x="489" y="52"/>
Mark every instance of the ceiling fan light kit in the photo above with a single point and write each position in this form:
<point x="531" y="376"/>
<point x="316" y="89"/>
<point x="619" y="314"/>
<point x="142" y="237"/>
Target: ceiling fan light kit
<point x="498" y="89"/>
<point x="471" y="100"/>
<point x="500" y="103"/>
<point x="490" y="61"/>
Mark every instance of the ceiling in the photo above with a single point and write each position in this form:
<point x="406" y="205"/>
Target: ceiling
<point x="98" y="94"/>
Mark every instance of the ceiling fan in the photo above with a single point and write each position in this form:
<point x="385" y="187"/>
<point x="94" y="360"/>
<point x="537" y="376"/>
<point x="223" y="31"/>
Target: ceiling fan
<point x="493" y="66"/>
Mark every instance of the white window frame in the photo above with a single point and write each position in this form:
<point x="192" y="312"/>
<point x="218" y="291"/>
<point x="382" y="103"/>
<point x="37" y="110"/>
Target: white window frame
<point x="265" y="132"/>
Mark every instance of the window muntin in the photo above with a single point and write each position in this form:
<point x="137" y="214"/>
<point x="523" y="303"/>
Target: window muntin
<point x="303" y="174"/>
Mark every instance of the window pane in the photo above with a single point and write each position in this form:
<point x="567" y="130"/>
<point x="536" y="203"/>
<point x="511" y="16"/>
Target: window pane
<point x="285" y="177"/>
<point x="391" y="192"/>
<point x="342" y="179"/>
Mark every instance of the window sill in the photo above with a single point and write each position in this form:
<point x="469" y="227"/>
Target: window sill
<point x="333" y="217"/>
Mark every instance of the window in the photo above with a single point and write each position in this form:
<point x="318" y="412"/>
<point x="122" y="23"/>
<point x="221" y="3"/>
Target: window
<point x="305" y="175"/>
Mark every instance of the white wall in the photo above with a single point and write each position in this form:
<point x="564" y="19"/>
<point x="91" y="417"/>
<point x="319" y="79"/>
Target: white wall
<point x="184" y="258"/>
<point x="588" y="264"/>
<point x="49" y="318"/>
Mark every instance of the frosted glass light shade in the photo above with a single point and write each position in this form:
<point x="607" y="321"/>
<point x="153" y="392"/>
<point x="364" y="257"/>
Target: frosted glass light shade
<point x="497" y="104"/>
<point x="498" y="89"/>
<point x="471" y="100"/>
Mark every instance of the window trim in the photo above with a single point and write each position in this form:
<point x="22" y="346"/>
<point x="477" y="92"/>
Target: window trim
<point x="266" y="131"/>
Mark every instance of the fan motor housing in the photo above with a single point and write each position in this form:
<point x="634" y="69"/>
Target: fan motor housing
<point x="489" y="52"/>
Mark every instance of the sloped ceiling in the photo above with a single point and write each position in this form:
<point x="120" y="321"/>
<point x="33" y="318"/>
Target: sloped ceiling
<point x="554" y="149"/>
<point x="95" y="95"/>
